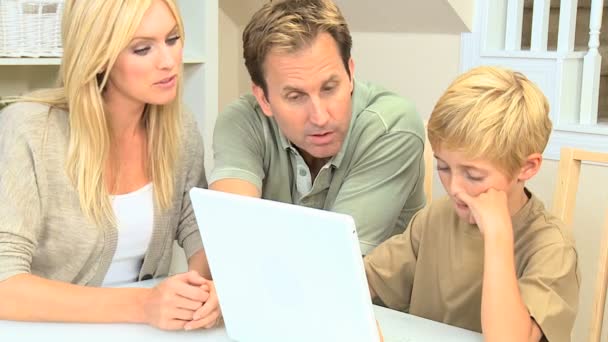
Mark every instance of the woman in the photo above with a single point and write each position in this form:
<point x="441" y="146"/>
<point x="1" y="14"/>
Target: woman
<point x="94" y="178"/>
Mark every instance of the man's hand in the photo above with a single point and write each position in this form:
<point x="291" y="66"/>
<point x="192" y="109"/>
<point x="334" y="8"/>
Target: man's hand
<point x="490" y="211"/>
<point x="208" y="315"/>
<point x="172" y="304"/>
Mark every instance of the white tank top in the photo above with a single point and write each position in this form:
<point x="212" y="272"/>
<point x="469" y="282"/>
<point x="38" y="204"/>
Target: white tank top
<point x="134" y="214"/>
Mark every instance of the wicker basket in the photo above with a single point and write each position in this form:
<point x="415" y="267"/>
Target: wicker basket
<point x="30" y="28"/>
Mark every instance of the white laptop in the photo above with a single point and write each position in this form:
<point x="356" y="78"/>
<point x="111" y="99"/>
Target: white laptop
<point x="284" y="272"/>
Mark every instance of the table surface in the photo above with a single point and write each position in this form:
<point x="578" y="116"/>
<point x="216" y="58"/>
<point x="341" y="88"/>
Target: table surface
<point x="396" y="327"/>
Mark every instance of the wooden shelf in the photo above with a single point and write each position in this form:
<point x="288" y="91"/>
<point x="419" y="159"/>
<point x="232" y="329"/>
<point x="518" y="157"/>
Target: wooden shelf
<point x="29" y="61"/>
<point x="32" y="61"/>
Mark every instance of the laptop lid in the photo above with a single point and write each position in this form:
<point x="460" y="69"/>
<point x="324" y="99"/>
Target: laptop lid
<point x="284" y="272"/>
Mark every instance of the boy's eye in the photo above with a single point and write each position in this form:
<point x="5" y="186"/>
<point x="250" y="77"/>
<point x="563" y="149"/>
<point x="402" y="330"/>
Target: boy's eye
<point x="474" y="178"/>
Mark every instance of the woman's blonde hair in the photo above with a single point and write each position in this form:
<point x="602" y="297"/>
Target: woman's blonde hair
<point x="94" y="33"/>
<point x="494" y="114"/>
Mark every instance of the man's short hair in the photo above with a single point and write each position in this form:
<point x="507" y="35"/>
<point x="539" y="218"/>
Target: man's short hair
<point x="289" y="25"/>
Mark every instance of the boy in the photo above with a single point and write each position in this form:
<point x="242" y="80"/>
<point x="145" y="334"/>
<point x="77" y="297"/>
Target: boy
<point x="489" y="257"/>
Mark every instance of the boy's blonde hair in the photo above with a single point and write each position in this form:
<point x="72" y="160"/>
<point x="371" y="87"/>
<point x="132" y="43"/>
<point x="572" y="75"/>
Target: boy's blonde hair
<point x="494" y="114"/>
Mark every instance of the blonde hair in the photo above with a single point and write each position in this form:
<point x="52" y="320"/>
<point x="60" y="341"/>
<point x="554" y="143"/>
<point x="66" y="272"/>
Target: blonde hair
<point x="94" y="32"/>
<point x="289" y="25"/>
<point x="494" y="114"/>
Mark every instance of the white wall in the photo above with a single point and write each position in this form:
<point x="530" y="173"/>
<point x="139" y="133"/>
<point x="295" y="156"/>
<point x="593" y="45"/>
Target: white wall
<point x="417" y="66"/>
<point x="233" y="76"/>
<point x="428" y="16"/>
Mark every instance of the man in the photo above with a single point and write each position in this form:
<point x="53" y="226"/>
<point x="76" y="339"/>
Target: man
<point x="313" y="136"/>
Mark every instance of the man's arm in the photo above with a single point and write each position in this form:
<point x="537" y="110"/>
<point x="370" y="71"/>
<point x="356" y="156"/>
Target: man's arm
<point x="236" y="186"/>
<point x="238" y="149"/>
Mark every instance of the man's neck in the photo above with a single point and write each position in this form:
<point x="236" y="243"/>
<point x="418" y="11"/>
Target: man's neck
<point x="314" y="164"/>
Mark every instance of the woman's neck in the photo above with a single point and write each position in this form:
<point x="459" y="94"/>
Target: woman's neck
<point x="125" y="116"/>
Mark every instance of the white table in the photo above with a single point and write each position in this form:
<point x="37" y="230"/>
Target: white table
<point x="396" y="327"/>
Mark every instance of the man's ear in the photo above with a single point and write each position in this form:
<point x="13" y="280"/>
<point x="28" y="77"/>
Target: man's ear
<point x="258" y="92"/>
<point x="351" y="69"/>
<point x="531" y="167"/>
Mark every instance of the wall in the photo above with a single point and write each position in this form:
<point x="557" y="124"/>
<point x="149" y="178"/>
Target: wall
<point x="417" y="66"/>
<point x="18" y="79"/>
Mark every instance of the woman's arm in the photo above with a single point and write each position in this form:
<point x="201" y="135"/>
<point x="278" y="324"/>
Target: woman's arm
<point x="198" y="262"/>
<point x="209" y="314"/>
<point x="169" y="305"/>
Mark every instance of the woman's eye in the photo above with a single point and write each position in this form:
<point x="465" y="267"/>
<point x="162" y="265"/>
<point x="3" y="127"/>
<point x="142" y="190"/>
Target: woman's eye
<point x="142" y="51"/>
<point x="173" y="40"/>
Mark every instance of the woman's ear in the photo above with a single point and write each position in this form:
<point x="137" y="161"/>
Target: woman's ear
<point x="531" y="167"/>
<point x="100" y="76"/>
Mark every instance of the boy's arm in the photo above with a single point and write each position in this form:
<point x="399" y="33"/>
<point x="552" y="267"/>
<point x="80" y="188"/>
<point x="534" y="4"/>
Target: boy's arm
<point x="504" y="316"/>
<point x="391" y="266"/>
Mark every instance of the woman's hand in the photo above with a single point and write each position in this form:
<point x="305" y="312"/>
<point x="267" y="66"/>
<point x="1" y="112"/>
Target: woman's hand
<point x="173" y="303"/>
<point x="209" y="314"/>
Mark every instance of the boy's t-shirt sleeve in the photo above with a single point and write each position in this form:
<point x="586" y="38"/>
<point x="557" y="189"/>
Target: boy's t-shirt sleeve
<point x="549" y="287"/>
<point x="391" y="266"/>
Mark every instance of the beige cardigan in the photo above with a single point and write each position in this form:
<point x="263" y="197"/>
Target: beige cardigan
<point x="42" y="228"/>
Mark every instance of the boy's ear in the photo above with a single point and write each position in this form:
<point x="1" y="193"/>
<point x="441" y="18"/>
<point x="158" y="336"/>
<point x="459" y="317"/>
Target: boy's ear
<point x="531" y="167"/>
<point x="258" y="92"/>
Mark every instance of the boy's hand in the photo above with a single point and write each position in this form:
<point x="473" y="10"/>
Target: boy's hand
<point x="490" y="210"/>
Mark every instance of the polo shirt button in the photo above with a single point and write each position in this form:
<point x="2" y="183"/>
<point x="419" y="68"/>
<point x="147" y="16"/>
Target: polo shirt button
<point x="146" y="277"/>
<point x="302" y="172"/>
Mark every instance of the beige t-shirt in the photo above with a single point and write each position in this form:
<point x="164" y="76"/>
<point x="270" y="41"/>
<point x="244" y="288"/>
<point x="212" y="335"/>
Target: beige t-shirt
<point x="435" y="268"/>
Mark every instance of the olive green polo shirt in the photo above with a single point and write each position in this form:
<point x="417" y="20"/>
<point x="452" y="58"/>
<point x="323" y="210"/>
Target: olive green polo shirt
<point x="377" y="177"/>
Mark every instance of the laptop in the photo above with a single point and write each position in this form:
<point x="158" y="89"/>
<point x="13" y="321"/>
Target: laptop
<point x="284" y="272"/>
